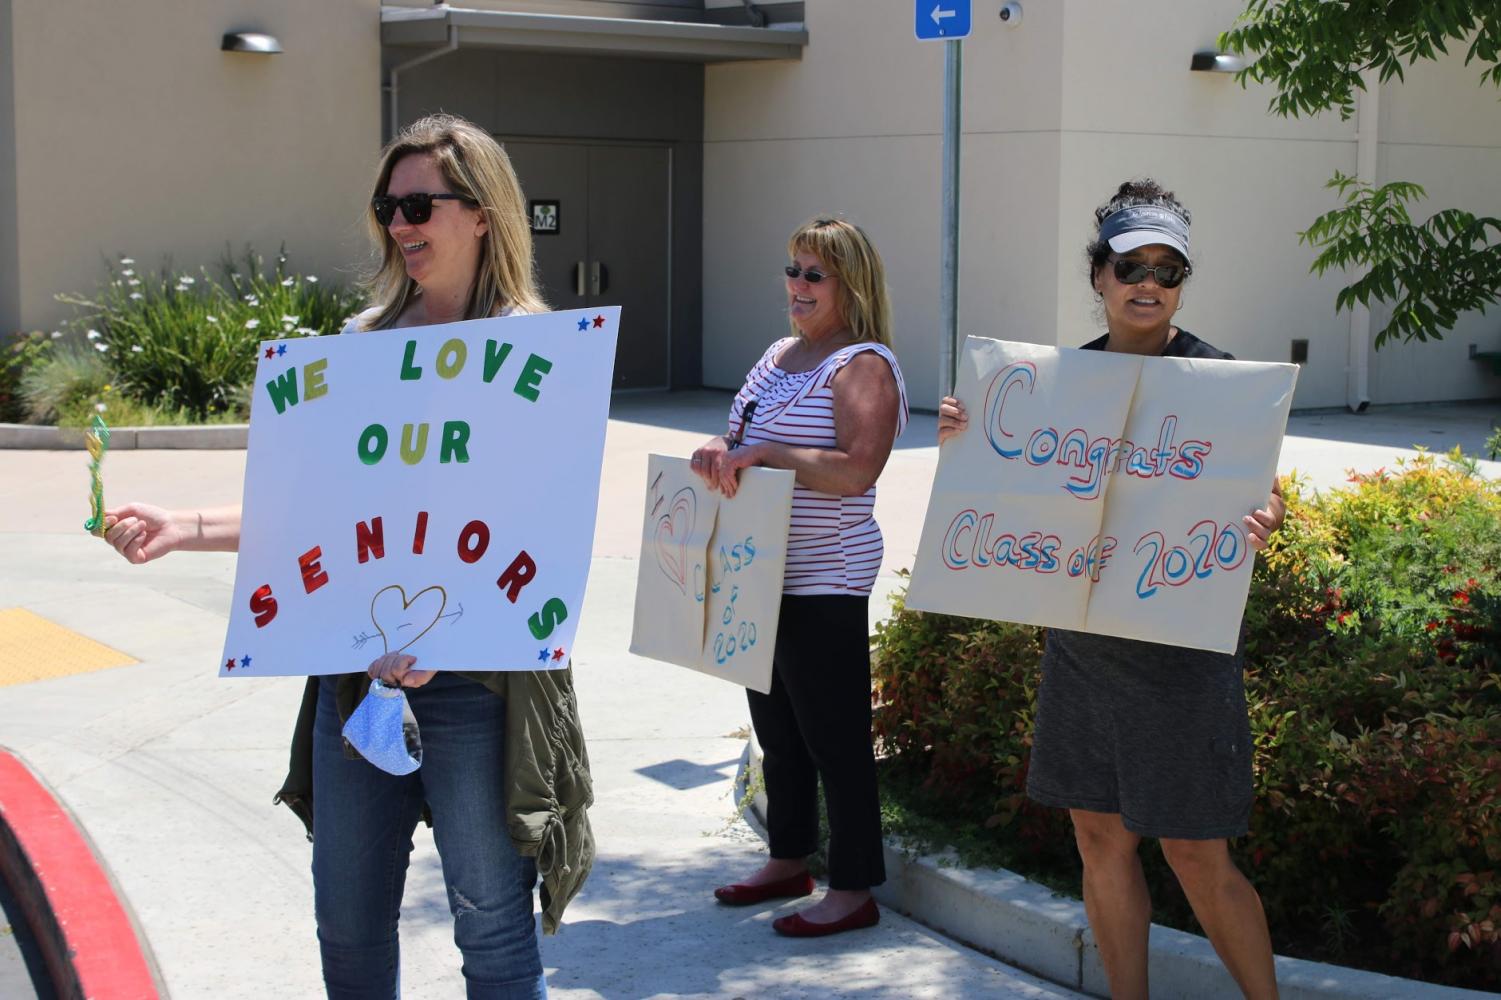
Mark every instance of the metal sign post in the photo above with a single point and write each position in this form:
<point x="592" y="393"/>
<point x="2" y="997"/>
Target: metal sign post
<point x="948" y="21"/>
<point x="948" y="312"/>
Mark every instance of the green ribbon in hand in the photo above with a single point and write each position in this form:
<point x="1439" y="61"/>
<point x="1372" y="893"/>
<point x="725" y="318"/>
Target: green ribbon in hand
<point x="97" y="440"/>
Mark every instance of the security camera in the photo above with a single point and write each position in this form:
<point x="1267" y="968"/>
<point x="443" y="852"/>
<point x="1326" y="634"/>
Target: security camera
<point x="1011" y="14"/>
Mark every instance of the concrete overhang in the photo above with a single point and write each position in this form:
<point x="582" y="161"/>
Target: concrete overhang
<point x="443" y="26"/>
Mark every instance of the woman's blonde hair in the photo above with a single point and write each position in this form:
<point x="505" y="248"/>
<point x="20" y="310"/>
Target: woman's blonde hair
<point x="847" y="252"/>
<point x="477" y="169"/>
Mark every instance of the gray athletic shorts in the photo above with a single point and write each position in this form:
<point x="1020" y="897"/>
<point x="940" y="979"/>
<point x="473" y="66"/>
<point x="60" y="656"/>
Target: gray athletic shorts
<point x="1156" y="733"/>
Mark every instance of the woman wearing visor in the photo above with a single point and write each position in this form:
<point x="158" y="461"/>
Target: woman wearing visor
<point x="1139" y="739"/>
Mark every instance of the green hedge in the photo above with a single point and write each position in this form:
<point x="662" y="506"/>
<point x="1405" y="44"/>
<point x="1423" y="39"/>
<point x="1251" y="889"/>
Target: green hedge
<point x="1373" y="634"/>
<point x="19" y="353"/>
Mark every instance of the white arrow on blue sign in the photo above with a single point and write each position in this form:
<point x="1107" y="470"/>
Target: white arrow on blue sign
<point x="942" y="20"/>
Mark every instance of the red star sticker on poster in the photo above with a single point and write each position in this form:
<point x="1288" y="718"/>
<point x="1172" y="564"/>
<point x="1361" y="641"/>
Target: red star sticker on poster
<point x="557" y="654"/>
<point x="270" y="352"/>
<point x="229" y="664"/>
<point x="599" y="321"/>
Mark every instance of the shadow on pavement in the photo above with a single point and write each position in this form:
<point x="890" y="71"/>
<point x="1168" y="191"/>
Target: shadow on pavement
<point x="23" y="973"/>
<point x="1437" y="427"/>
<point x="653" y="930"/>
<point x="685" y="774"/>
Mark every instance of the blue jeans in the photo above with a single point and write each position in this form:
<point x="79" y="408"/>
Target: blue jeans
<point x="363" y="820"/>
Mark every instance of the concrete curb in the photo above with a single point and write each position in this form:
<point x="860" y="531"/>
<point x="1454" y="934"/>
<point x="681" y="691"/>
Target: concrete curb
<point x="199" y="438"/>
<point x="83" y="929"/>
<point x="1033" y="928"/>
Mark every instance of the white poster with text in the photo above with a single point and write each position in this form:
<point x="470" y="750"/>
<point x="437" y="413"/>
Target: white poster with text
<point x="429" y="491"/>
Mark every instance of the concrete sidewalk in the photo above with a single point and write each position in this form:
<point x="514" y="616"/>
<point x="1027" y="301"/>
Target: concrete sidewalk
<point x="171" y="769"/>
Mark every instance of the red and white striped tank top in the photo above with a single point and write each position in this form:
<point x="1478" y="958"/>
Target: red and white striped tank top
<point x="834" y="545"/>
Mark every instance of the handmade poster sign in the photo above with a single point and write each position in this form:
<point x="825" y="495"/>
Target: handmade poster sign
<point x="709" y="581"/>
<point x="429" y="491"/>
<point x="1102" y="492"/>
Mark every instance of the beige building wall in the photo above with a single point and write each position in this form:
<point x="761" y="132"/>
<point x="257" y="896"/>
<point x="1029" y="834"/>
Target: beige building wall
<point x="1133" y="108"/>
<point x="855" y="129"/>
<point x="1057" y="111"/>
<point x="10" y="289"/>
<point x="1442" y="129"/>
<point x="135" y="135"/>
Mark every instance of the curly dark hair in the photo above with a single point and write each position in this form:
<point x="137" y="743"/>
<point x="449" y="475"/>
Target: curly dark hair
<point x="1142" y="191"/>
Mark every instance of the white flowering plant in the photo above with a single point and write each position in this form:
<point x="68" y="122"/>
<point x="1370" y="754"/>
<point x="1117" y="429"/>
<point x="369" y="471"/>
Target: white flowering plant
<point x="73" y="383"/>
<point x="187" y="343"/>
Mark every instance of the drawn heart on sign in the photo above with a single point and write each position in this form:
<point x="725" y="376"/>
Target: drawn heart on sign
<point x="673" y="531"/>
<point x="402" y="622"/>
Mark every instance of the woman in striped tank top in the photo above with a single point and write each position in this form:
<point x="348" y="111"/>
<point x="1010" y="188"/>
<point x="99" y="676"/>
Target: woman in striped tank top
<point x="827" y="403"/>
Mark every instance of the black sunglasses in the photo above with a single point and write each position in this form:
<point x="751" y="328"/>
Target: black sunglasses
<point x="813" y="275"/>
<point x="1132" y="272"/>
<point x="417" y="207"/>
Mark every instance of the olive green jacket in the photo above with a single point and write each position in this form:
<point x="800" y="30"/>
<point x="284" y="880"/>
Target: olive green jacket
<point x="548" y="788"/>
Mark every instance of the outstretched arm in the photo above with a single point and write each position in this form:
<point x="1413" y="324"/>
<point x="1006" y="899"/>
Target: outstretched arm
<point x="142" y="532"/>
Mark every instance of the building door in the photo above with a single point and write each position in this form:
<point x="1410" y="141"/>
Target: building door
<point x="601" y="224"/>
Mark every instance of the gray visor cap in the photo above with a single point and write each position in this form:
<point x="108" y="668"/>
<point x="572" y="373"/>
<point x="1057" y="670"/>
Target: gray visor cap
<point x="1143" y="225"/>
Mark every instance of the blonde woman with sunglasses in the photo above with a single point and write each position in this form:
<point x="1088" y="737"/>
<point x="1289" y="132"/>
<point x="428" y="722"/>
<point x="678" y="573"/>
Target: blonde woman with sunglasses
<point x="826" y="402"/>
<point x="453" y="243"/>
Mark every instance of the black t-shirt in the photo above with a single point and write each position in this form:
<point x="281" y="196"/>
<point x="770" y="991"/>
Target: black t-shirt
<point x="1183" y="345"/>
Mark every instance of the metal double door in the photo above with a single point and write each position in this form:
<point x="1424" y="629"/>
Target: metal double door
<point x="601" y="228"/>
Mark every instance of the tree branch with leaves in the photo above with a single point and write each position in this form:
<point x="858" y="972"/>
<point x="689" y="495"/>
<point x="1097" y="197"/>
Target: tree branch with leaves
<point x="1315" y="54"/>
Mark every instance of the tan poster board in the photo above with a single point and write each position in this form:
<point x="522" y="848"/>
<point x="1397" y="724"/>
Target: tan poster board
<point x="709" y="580"/>
<point x="1102" y="492"/>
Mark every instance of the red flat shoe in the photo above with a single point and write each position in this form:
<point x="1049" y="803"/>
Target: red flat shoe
<point x="867" y="915"/>
<point x="740" y="894"/>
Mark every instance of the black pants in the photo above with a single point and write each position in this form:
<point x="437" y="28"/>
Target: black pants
<point x="816" y="722"/>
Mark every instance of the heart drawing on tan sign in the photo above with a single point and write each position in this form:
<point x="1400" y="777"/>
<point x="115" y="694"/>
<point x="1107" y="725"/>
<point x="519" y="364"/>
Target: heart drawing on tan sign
<point x="673" y="531"/>
<point x="402" y="622"/>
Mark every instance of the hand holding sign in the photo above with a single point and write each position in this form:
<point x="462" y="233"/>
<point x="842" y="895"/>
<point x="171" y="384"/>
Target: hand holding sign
<point x="709" y="582"/>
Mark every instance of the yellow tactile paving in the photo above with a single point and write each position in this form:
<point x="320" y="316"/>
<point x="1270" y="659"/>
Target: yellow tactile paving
<point x="33" y="649"/>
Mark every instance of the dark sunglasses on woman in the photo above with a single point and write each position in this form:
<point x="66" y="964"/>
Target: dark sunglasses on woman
<point x="1132" y="272"/>
<point x="416" y="207"/>
<point x="813" y="275"/>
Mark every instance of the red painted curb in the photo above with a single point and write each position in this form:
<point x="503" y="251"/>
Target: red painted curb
<point x="83" y="929"/>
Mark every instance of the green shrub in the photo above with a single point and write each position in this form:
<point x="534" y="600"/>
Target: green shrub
<point x="183" y="343"/>
<point x="68" y="382"/>
<point x="23" y="352"/>
<point x="72" y="383"/>
<point x="1373" y="633"/>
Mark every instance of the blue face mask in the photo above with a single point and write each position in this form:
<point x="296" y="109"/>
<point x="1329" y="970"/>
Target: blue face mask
<point x="384" y="730"/>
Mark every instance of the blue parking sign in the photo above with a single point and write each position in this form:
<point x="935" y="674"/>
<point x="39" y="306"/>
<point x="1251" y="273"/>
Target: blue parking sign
<point x="942" y="20"/>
